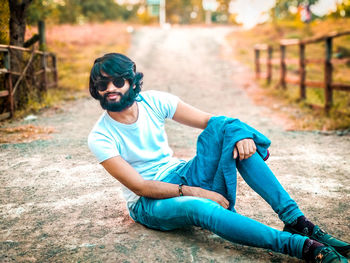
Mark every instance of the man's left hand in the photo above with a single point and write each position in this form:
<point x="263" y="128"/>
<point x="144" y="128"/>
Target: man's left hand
<point x="244" y="149"/>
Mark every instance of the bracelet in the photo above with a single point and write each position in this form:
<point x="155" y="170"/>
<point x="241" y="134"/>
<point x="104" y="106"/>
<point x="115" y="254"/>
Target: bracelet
<point x="180" y="190"/>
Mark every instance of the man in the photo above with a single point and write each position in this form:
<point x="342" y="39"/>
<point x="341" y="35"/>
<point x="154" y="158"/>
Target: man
<point x="165" y="193"/>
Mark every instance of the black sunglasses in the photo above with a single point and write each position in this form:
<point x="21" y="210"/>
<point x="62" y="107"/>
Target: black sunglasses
<point x="102" y="84"/>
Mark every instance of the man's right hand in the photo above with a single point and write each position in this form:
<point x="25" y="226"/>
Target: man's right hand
<point x="200" y="192"/>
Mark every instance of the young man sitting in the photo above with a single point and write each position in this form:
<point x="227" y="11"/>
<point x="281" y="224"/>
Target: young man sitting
<point x="163" y="192"/>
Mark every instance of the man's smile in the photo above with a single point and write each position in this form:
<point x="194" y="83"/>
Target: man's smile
<point x="113" y="96"/>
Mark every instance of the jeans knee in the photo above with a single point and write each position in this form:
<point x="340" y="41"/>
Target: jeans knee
<point x="198" y="210"/>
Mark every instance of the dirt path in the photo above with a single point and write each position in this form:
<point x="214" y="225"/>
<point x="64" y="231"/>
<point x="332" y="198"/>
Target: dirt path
<point x="58" y="205"/>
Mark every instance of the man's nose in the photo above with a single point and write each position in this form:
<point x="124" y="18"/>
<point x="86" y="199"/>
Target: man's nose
<point x="111" y="87"/>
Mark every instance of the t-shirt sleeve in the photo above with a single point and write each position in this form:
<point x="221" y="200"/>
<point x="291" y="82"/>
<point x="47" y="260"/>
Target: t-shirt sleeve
<point x="165" y="103"/>
<point x="102" y="146"/>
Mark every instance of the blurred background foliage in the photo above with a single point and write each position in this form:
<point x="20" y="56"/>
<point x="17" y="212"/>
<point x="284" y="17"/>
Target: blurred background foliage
<point x="79" y="11"/>
<point x="4" y="21"/>
<point x="177" y="12"/>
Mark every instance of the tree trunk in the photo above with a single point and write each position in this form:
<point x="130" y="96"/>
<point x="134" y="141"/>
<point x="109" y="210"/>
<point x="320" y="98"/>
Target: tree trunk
<point x="18" y="21"/>
<point x="17" y="27"/>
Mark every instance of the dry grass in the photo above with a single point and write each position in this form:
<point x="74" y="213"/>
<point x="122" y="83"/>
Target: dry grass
<point x="339" y="117"/>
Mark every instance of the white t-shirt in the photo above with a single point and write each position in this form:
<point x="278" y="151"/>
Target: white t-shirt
<point x="143" y="144"/>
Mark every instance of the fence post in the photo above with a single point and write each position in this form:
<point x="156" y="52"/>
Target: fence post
<point x="269" y="64"/>
<point x="328" y="69"/>
<point x="42" y="38"/>
<point x="302" y="71"/>
<point x="257" y="63"/>
<point x="8" y="82"/>
<point x="283" y="66"/>
<point x="44" y="78"/>
<point x="55" y="73"/>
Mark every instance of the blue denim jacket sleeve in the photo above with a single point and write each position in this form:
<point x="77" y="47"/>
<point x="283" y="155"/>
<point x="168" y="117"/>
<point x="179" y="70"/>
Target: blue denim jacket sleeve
<point x="216" y="166"/>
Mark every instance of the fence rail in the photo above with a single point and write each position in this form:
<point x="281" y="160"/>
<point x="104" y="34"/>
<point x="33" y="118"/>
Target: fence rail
<point x="43" y="72"/>
<point x="328" y="64"/>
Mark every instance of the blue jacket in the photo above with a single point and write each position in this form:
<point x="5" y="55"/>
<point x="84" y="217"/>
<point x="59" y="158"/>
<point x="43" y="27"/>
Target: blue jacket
<point x="214" y="168"/>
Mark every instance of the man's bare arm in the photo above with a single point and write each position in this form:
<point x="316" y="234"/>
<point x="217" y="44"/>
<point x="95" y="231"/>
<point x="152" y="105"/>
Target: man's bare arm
<point x="191" y="116"/>
<point x="129" y="177"/>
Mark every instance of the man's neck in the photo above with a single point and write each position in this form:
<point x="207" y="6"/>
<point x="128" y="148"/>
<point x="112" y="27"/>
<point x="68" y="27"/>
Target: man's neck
<point x="127" y="116"/>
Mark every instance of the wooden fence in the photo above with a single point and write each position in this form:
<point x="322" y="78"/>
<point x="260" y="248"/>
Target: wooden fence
<point x="47" y="66"/>
<point x="328" y="63"/>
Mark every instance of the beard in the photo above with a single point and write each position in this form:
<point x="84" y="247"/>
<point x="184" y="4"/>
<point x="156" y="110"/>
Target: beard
<point x="125" y="101"/>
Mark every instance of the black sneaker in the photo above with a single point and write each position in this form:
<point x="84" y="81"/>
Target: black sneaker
<point x="319" y="235"/>
<point x="327" y="255"/>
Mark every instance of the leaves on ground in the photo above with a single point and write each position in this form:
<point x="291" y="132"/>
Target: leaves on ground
<point x="25" y="134"/>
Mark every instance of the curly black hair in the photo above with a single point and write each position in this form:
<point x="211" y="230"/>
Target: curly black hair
<point x="115" y="65"/>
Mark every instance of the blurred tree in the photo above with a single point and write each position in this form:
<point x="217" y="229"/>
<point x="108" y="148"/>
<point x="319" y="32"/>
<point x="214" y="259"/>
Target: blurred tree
<point x="40" y="10"/>
<point x="191" y="11"/>
<point x="179" y="11"/>
<point x="290" y="10"/>
<point x="69" y="11"/>
<point x="17" y="25"/>
<point x="99" y="10"/>
<point x="106" y="10"/>
<point x="4" y="22"/>
<point x="197" y="13"/>
<point x="282" y="8"/>
<point x="128" y="12"/>
<point x="18" y="12"/>
<point x="77" y="11"/>
<point x="222" y="13"/>
<point x="343" y="9"/>
<point x="144" y="16"/>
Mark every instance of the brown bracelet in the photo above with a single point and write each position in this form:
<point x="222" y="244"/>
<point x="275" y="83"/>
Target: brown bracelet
<point x="180" y="190"/>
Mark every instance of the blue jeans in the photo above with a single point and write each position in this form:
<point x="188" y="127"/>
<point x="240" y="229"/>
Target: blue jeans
<point x="177" y="212"/>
